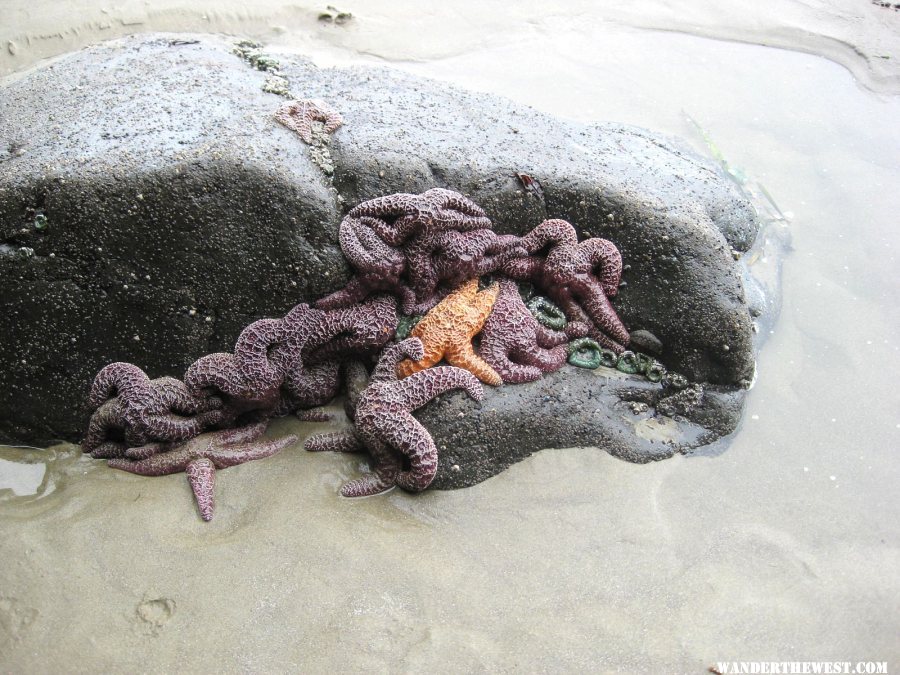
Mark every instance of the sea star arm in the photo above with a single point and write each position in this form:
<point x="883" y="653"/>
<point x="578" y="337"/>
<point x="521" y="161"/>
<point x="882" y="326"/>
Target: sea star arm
<point x="313" y="416"/>
<point x="601" y="311"/>
<point x="450" y="210"/>
<point x="605" y="257"/>
<point x="259" y="356"/>
<point x="145" y="451"/>
<point x="464" y="356"/>
<point x="503" y="243"/>
<point x="158" y="464"/>
<point x="109" y="450"/>
<point x="580" y="324"/>
<point x="365" y="250"/>
<point x="246" y="452"/>
<point x="386" y="467"/>
<point x="121" y="379"/>
<point x="313" y="385"/>
<point x="556" y="232"/>
<point x="547" y="337"/>
<point x="497" y="355"/>
<point x="483" y="302"/>
<point x="419" y="251"/>
<point x="354" y="291"/>
<point x="523" y="269"/>
<point x="344" y="441"/>
<point x="356" y="377"/>
<point x="434" y="346"/>
<point x="562" y="296"/>
<point x="547" y="360"/>
<point x="176" y="398"/>
<point x="406" y="434"/>
<point x="201" y="474"/>
<point x="172" y="427"/>
<point x="214" y="371"/>
<point x="107" y="417"/>
<point x="389" y="211"/>
<point x="419" y="388"/>
<point x="491" y="262"/>
<point x="402" y="215"/>
<point x="387" y="365"/>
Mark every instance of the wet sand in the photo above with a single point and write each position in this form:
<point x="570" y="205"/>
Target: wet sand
<point x="785" y="547"/>
<point x="861" y="36"/>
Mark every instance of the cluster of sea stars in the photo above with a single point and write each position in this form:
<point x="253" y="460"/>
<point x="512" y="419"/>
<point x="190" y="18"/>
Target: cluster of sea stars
<point x="278" y="366"/>
<point x="384" y="425"/>
<point x="428" y="251"/>
<point x="419" y="247"/>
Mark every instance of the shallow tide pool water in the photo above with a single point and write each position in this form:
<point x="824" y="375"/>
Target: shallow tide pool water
<point x="784" y="547"/>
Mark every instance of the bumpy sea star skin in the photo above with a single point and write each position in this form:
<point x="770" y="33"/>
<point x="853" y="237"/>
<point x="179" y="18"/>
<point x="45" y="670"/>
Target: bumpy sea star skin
<point x="435" y="222"/>
<point x="354" y="331"/>
<point x="201" y="456"/>
<point x="356" y="378"/>
<point x="514" y="344"/>
<point x="319" y="341"/>
<point x="280" y="365"/>
<point x="447" y="331"/>
<point x="377" y="265"/>
<point x="399" y="216"/>
<point x="312" y="386"/>
<point x="579" y="277"/>
<point x="131" y="406"/>
<point x="300" y="114"/>
<point x="385" y="425"/>
<point x="250" y="378"/>
<point x="453" y="257"/>
<point x="106" y="429"/>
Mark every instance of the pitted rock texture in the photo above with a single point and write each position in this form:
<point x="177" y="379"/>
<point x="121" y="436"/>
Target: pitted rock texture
<point x="629" y="418"/>
<point x="151" y="207"/>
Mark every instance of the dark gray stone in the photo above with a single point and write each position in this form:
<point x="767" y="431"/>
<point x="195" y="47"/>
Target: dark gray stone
<point x="569" y="408"/>
<point x="150" y="207"/>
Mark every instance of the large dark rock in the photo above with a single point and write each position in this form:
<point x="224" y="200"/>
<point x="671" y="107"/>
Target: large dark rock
<point x="150" y="207"/>
<point x="628" y="417"/>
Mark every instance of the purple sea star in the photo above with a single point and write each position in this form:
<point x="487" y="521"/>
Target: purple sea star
<point x="354" y="331"/>
<point x="377" y="267"/>
<point x="385" y="426"/>
<point x="399" y="216"/>
<point x="299" y="115"/>
<point x="515" y="344"/>
<point x="453" y="257"/>
<point x="579" y="277"/>
<point x="130" y="406"/>
<point x="280" y="365"/>
<point x="201" y="456"/>
<point x="249" y="378"/>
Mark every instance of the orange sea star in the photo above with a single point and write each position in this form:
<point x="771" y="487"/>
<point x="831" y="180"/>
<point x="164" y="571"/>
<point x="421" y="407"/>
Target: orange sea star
<point x="447" y="331"/>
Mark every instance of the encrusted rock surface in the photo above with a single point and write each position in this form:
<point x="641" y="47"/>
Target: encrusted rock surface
<point x="569" y="408"/>
<point x="151" y="207"/>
